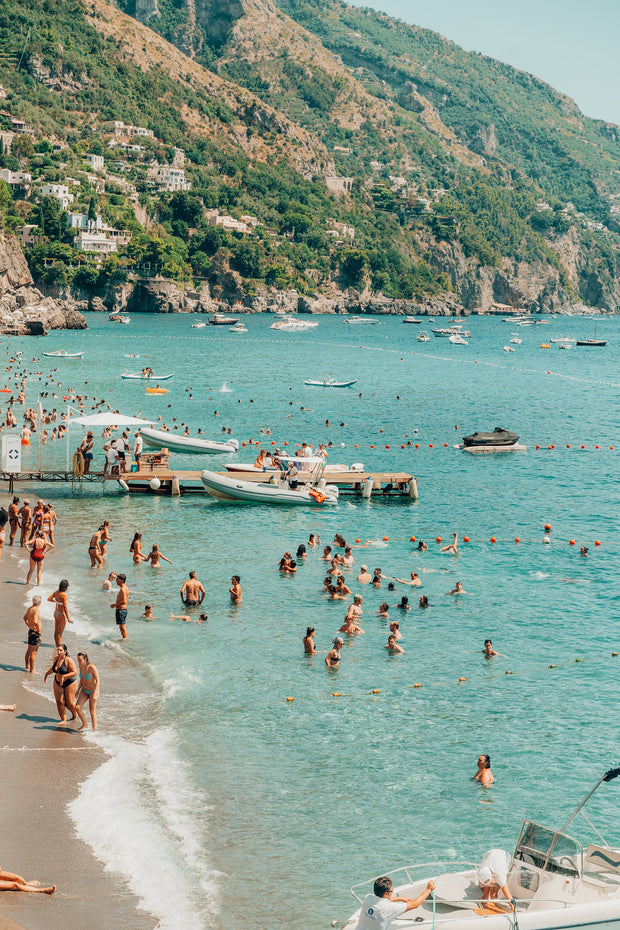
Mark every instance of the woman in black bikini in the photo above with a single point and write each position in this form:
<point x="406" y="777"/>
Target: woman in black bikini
<point x="65" y="683"/>
<point x="94" y="550"/>
<point x="333" y="657"/>
<point x="88" y="690"/>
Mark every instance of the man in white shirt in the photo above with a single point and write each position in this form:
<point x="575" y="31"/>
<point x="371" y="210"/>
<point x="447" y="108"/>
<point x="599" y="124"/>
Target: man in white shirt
<point x="137" y="448"/>
<point x="492" y="875"/>
<point x="379" y="909"/>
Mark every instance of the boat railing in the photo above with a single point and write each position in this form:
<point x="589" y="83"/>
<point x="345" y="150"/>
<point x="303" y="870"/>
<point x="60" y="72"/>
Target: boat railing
<point x="406" y="870"/>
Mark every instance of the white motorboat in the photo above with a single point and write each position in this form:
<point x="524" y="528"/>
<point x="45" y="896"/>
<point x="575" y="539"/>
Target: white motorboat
<point x="144" y="376"/>
<point x="563" y="339"/>
<point x="161" y="439"/>
<point x="565" y="345"/>
<point x="508" y="349"/>
<point x="448" y="331"/>
<point x="457" y="340"/>
<point x="238" y="328"/>
<point x="515" y="339"/>
<point x="62" y="354"/>
<point x="423" y="337"/>
<point x="360" y="319"/>
<point x="290" y="324"/>
<point x="330" y="383"/>
<point x="526" y="322"/>
<point x="200" y="325"/>
<point x="411" y="319"/>
<point x="220" y="319"/>
<point x="274" y="491"/>
<point x="555" y="883"/>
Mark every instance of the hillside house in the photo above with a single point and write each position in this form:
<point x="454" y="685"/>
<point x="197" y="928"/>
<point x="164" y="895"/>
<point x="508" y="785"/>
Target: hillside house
<point x="60" y="192"/>
<point x="6" y="138"/>
<point x="28" y="235"/>
<point x="94" y="242"/>
<point x="95" y="162"/>
<point x="168" y="177"/>
<point x="340" y="231"/>
<point x="19" y="181"/>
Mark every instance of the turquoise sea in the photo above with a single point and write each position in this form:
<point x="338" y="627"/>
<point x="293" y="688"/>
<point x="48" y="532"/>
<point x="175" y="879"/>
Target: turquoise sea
<point x="241" y="809"/>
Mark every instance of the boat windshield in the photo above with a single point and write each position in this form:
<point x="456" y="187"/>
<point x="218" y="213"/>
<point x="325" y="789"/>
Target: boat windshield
<point x="549" y="850"/>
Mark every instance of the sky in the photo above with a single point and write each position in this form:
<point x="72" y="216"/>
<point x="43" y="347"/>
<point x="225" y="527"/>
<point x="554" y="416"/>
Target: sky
<point x="570" y="45"/>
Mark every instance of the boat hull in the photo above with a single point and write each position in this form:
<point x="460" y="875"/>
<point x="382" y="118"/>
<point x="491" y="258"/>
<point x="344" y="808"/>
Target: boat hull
<point x="330" y="384"/>
<point x="234" y="490"/>
<point x="160" y="439"/>
<point x="126" y="376"/>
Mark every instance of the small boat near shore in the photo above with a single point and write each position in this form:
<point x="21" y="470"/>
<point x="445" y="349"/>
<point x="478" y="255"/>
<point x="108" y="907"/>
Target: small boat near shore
<point x="352" y="320"/>
<point x="500" y="440"/>
<point x="238" y="328"/>
<point x="448" y="331"/>
<point x="62" y="354"/>
<point x="423" y="337"/>
<point x="411" y="319"/>
<point x="144" y="376"/>
<point x="592" y="343"/>
<point x="457" y="340"/>
<point x="274" y="491"/>
<point x="220" y="319"/>
<point x="290" y="324"/>
<point x="555" y="884"/>
<point x="330" y="383"/>
<point x="200" y="325"/>
<point x="161" y="439"/>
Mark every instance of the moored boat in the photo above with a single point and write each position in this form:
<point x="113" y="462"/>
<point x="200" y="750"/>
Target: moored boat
<point x="238" y="328"/>
<point x="330" y="383"/>
<point x="220" y="319"/>
<point x="448" y="331"/>
<point x="500" y="440"/>
<point x="360" y="319"/>
<point x="161" y="439"/>
<point x="593" y="343"/>
<point x="290" y="324"/>
<point x="423" y="337"/>
<point x="62" y="354"/>
<point x="554" y="883"/>
<point x="457" y="339"/>
<point x="411" y="319"/>
<point x="275" y="491"/>
<point x="144" y="376"/>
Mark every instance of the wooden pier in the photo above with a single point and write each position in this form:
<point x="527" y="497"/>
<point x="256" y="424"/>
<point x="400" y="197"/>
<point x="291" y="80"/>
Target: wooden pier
<point x="362" y="483"/>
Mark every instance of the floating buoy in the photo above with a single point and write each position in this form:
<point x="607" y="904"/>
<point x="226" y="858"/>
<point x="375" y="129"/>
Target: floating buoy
<point x="417" y="446"/>
<point x="371" y="446"/>
<point x="438" y="539"/>
<point x="538" y="447"/>
<point x="244" y="444"/>
<point x="571" y="542"/>
<point x="583" y="447"/>
<point x="286" y="443"/>
<point x="430" y="445"/>
<point x="387" y="446"/>
<point x="462" y="679"/>
<point x="290" y="699"/>
<point x="382" y="431"/>
<point x="402" y="445"/>
<point x="517" y="540"/>
<point x="336" y="694"/>
<point x="375" y="691"/>
<point x="567" y="446"/>
<point x="493" y="539"/>
<point x="385" y="538"/>
<point x="596" y="447"/>
<point x="508" y="672"/>
<point x="356" y="446"/>
<point x="412" y="538"/>
<point x="597" y="542"/>
<point x="548" y="527"/>
<point x="154" y="484"/>
<point x="417" y="685"/>
<point x="465" y="538"/>
<point x="546" y="540"/>
<point x="358" y="540"/>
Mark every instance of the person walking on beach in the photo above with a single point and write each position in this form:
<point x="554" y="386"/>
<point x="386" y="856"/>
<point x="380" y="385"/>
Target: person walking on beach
<point x="120" y="605"/>
<point x="61" y="610"/>
<point x="38" y="547"/>
<point x="13" y="519"/>
<point x="25" y="515"/>
<point x="88" y="690"/>
<point x="4" y="518"/>
<point x="32" y="620"/>
<point x="9" y="881"/>
<point x="65" y="683"/>
<point x="192" y="592"/>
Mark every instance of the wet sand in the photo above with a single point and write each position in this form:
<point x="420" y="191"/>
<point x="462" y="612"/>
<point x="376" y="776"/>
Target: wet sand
<point x="43" y="765"/>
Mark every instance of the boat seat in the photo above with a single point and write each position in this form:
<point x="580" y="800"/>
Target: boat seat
<point x="523" y="881"/>
<point x="602" y="859"/>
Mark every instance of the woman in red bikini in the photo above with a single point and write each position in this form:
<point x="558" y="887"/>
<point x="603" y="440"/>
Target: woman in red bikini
<point x="38" y="547"/>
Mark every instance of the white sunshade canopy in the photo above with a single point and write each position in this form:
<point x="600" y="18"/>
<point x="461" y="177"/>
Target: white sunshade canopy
<point x="110" y="419"/>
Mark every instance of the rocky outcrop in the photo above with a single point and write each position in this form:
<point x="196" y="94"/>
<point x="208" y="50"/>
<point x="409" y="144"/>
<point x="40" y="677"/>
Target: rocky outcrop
<point x="23" y="308"/>
<point x="57" y="78"/>
<point x="161" y="296"/>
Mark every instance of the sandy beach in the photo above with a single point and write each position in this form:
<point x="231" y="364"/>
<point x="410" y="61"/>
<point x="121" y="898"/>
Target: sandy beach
<point x="43" y="766"/>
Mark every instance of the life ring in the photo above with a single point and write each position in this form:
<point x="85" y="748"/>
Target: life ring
<point x="78" y="464"/>
<point x="317" y="495"/>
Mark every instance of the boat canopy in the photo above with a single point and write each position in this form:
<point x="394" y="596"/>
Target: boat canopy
<point x="548" y="850"/>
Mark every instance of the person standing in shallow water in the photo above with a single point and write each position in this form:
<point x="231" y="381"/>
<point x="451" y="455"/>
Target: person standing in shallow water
<point x="61" y="610"/>
<point x="88" y="690"/>
<point x="484" y="774"/>
<point x="235" y="589"/>
<point x="120" y="605"/>
<point x="65" y="683"/>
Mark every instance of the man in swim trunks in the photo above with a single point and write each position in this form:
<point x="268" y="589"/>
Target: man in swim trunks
<point x="33" y="622"/>
<point x="120" y="605"/>
<point x="192" y="592"/>
<point x="25" y="514"/>
<point x="13" y="519"/>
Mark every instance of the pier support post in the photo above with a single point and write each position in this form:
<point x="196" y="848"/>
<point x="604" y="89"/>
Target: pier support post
<point x="367" y="487"/>
<point x="175" y="487"/>
<point x="413" y="489"/>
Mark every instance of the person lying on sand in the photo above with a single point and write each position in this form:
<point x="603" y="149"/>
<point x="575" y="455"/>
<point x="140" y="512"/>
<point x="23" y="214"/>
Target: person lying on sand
<point x="11" y="882"/>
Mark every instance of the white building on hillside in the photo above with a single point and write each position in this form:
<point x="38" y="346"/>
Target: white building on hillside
<point x="94" y="242"/>
<point x="60" y="192"/>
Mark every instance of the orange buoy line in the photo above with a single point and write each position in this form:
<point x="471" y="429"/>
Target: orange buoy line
<point x="462" y="679"/>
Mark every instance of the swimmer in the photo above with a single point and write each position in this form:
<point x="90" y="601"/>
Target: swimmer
<point x="384" y="610"/>
<point x="327" y="554"/>
<point x="392" y="645"/>
<point x="415" y="580"/>
<point x="347" y="559"/>
<point x="192" y="591"/>
<point x="350" y="627"/>
<point x="301" y="552"/>
<point x="343" y="589"/>
<point x="395" y="630"/>
<point x="154" y="556"/>
<point x="404" y="603"/>
<point x="484" y="774"/>
<point x="135" y="548"/>
<point x="33" y="622"/>
<point x="333" y="657"/>
<point x="314" y="540"/>
<point x="107" y="584"/>
<point x="235" y="589"/>
<point x="488" y="651"/>
<point x="422" y="547"/>
<point x="583" y="551"/>
<point x="148" y="613"/>
<point x="423" y="602"/>
<point x="61" y="610"/>
<point x="364" y="576"/>
<point x="309" y="647"/>
<point x="459" y="589"/>
<point x="376" y="577"/>
<point x="453" y="548"/>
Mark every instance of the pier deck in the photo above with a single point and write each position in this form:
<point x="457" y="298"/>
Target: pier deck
<point x="352" y="482"/>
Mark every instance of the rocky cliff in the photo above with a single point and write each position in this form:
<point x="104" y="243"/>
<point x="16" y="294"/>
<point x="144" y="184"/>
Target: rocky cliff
<point x="23" y="308"/>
